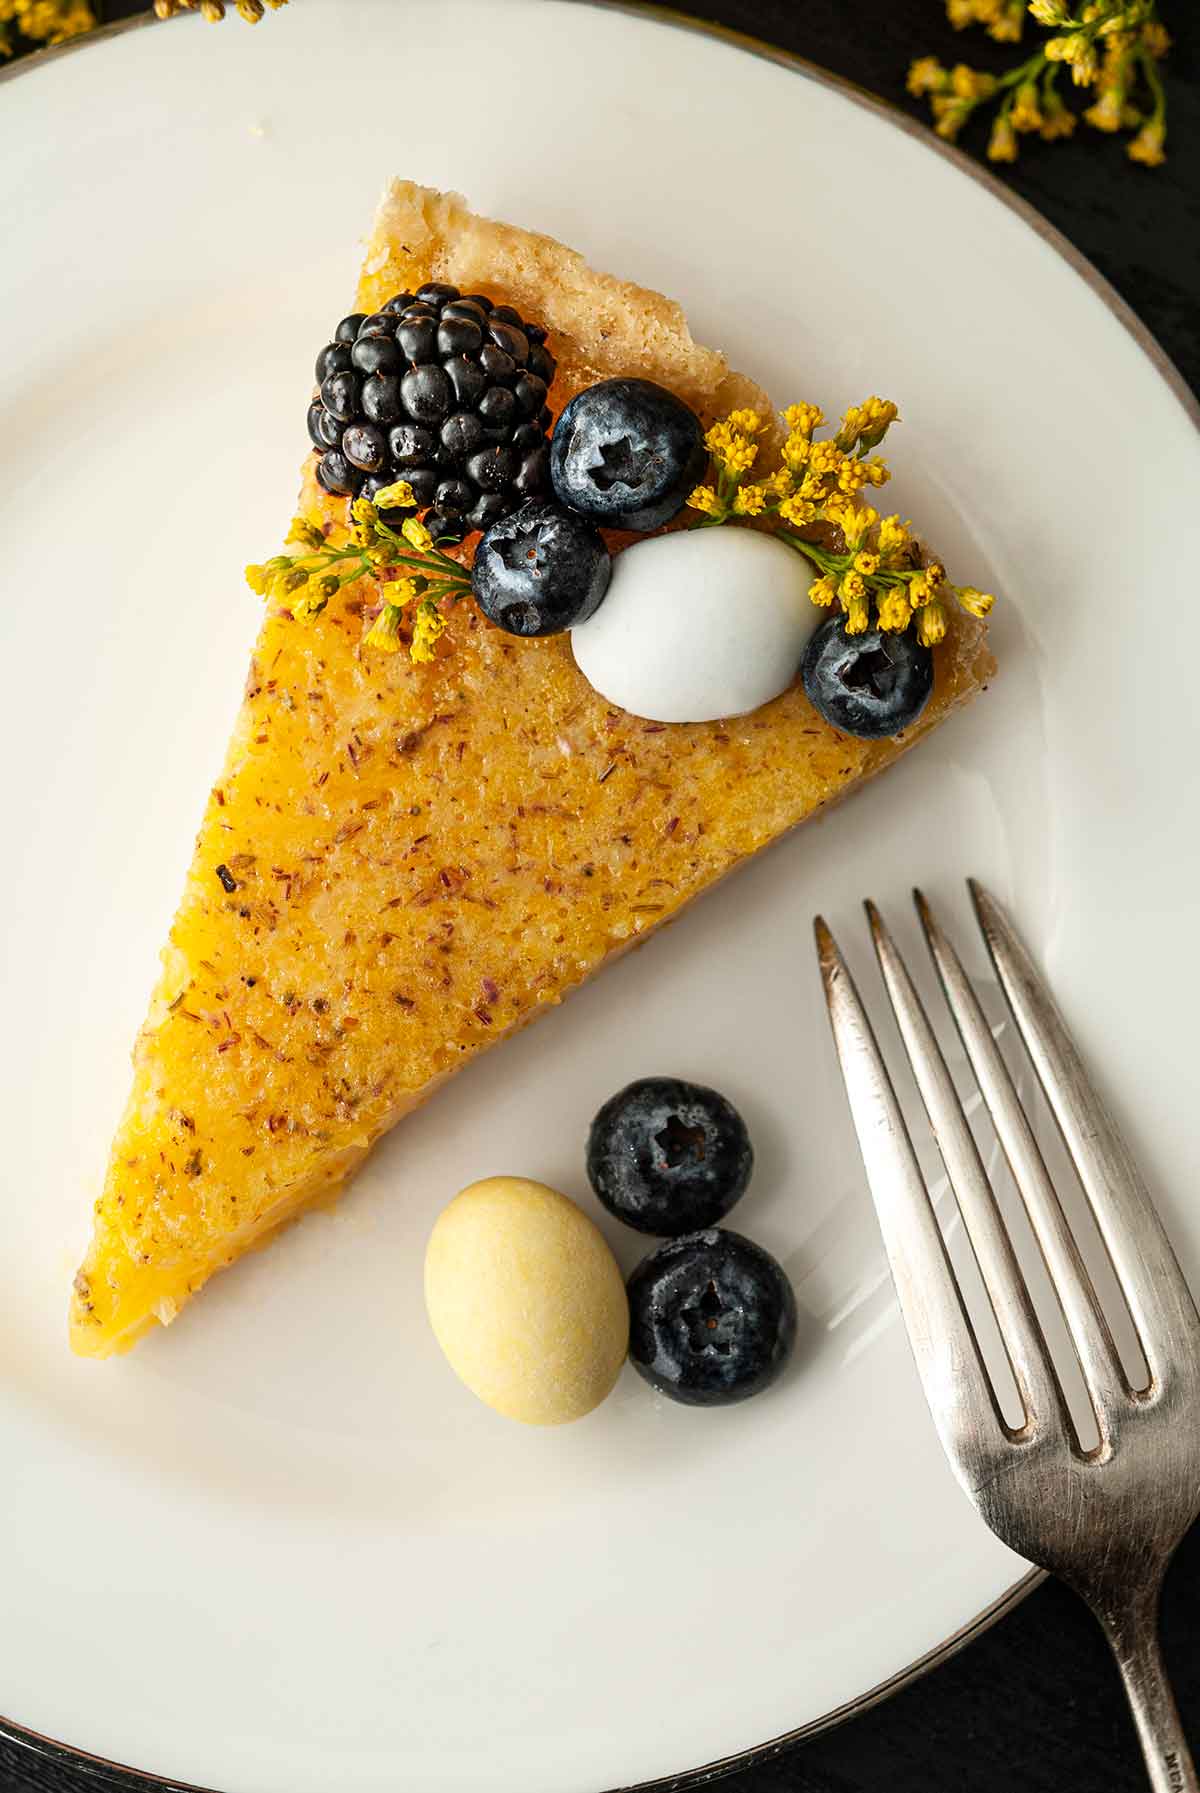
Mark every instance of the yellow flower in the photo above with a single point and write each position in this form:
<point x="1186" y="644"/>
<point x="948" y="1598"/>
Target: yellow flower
<point x="306" y="533"/>
<point x="803" y="419"/>
<point x="1026" y="114"/>
<point x="796" y="451"/>
<point x="1156" y="39"/>
<point x="747" y="422"/>
<point x="428" y="628"/>
<point x="971" y="83"/>
<point x="950" y="115"/>
<point x="978" y="603"/>
<point x="867" y="424"/>
<point x="857" y="523"/>
<point x="730" y="449"/>
<point x="931" y="625"/>
<point x="363" y="511"/>
<point x="1057" y="120"/>
<point x="778" y="484"/>
<point x="798" y="511"/>
<point x="853" y="586"/>
<point x="894" y="610"/>
<point x="823" y="590"/>
<point x="852" y="477"/>
<point x="858" y="615"/>
<point x="1079" y="52"/>
<point x="926" y="75"/>
<point x="961" y="13"/>
<point x="919" y="590"/>
<point x="878" y="472"/>
<point x="329" y="586"/>
<point x="384" y="632"/>
<point x="256" y="579"/>
<point x="398" y="592"/>
<point x="310" y="606"/>
<point x="866" y="564"/>
<point x="1002" y="144"/>
<point x="1107" y="112"/>
<point x="1050" y="12"/>
<point x="750" y="501"/>
<point x="416" y="535"/>
<point x="893" y="537"/>
<point x="399" y="496"/>
<point x="1147" y="146"/>
<point x="51" y="21"/>
<point x="704" y="498"/>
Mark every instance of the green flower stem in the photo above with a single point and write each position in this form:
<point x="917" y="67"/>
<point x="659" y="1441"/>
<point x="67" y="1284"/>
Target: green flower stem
<point x="1154" y="82"/>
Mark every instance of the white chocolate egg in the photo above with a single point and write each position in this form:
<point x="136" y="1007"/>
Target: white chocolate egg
<point x="699" y="624"/>
<point x="526" y="1300"/>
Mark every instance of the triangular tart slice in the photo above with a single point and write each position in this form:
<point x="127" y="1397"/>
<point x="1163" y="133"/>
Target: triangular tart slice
<point x="400" y="864"/>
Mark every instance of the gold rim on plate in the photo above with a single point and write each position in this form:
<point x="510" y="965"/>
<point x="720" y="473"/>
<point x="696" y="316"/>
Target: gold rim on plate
<point x="1012" y="1597"/>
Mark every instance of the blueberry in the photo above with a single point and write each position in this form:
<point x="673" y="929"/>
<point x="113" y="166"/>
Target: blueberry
<point x="428" y="394"/>
<point x="669" y="1157"/>
<point x="418" y="338"/>
<point x="365" y="446"/>
<point x="481" y="299"/>
<point x="347" y="330"/>
<point x="540" y="570"/>
<point x="627" y="453"/>
<point x="333" y="359"/>
<point x="340" y="395"/>
<point x="462" y="433"/>
<point x="712" y="1319"/>
<point x="505" y="314"/>
<point x="411" y="445"/>
<point x="866" y="685"/>
<point x="459" y="336"/>
<point x="381" y="399"/>
<point x="377" y="355"/>
<point x="399" y="302"/>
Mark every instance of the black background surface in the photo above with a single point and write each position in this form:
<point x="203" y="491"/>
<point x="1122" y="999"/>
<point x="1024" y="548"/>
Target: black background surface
<point x="1034" y="1704"/>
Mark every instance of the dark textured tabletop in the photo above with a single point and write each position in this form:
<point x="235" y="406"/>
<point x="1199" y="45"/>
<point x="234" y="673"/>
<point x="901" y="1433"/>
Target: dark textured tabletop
<point x="1034" y="1704"/>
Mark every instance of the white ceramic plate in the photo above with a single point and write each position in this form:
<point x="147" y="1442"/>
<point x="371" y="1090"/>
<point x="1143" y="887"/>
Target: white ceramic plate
<point x="280" y="1547"/>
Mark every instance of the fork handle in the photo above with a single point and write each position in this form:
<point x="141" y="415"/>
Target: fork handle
<point x="1133" y="1635"/>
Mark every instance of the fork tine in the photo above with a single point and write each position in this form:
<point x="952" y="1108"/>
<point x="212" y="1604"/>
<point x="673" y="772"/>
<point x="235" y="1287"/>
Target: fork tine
<point x="1146" y="1267"/>
<point x="951" y="1367"/>
<point x="1073" y="1289"/>
<point x="1020" y="1331"/>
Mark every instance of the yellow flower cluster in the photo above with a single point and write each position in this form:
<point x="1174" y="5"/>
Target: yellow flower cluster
<point x="416" y="576"/>
<point x="875" y="573"/>
<point x="214" y="10"/>
<point x="44" y="21"/>
<point x="1111" y="47"/>
<point x="1004" y="19"/>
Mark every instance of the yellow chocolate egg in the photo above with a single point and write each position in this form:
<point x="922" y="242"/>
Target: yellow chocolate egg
<point x="526" y="1300"/>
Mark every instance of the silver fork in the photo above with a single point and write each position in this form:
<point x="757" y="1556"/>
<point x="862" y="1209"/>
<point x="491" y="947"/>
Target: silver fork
<point x="1107" y="1518"/>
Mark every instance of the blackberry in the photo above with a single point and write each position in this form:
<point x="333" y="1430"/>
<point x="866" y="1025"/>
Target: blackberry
<point x="445" y="389"/>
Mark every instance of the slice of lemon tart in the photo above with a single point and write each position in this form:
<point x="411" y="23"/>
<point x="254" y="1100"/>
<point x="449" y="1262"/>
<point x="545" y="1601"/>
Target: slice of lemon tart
<point x="410" y="854"/>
